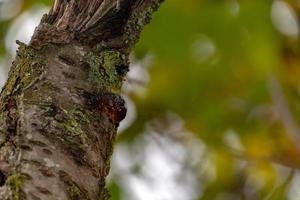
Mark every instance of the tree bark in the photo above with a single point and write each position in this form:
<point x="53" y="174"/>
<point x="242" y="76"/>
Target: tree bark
<point x="61" y="105"/>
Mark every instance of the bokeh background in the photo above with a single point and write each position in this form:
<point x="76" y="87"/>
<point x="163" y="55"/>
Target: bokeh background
<point x="213" y="97"/>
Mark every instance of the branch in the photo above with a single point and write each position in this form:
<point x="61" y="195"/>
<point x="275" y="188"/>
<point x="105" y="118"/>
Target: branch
<point x="285" y="113"/>
<point x="61" y="106"/>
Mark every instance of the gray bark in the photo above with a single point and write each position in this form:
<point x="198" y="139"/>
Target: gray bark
<point x="61" y="105"/>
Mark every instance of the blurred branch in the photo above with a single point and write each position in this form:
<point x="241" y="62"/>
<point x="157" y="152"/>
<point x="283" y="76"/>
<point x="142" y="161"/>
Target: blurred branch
<point x="278" y="191"/>
<point x="285" y="114"/>
<point x="284" y="160"/>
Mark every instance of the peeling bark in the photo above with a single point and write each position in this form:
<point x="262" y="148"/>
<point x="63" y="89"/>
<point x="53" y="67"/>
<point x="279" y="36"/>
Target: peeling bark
<point x="61" y="105"/>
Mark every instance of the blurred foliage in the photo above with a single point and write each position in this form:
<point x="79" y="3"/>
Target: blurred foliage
<point x="212" y="63"/>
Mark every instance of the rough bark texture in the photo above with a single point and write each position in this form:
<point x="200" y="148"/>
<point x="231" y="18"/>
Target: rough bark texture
<point x="60" y="108"/>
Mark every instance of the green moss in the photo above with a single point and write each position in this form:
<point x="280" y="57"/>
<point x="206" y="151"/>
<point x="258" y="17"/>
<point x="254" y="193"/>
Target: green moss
<point x="103" y="69"/>
<point x="73" y="190"/>
<point x="72" y="126"/>
<point x="80" y="115"/>
<point x="14" y="182"/>
<point x="26" y="68"/>
<point x="74" y="134"/>
<point x="69" y="133"/>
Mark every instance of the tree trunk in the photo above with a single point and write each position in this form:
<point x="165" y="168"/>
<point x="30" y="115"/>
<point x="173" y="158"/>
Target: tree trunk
<point x="61" y="105"/>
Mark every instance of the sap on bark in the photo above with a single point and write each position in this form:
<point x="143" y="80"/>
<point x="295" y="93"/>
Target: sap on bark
<point x="113" y="105"/>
